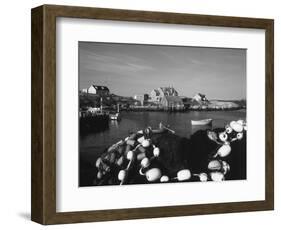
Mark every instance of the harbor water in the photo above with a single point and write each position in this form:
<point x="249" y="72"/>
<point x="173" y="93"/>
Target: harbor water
<point x="91" y="145"/>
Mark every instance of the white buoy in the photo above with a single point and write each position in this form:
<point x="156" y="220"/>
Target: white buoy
<point x="223" y="136"/>
<point x="130" y="155"/>
<point x="241" y="122"/>
<point x="121" y="142"/>
<point x="120" y="161"/>
<point x="99" y="175"/>
<point x="156" y="152"/>
<point x="145" y="162"/>
<point x="153" y="174"/>
<point x="140" y="132"/>
<point x="146" y="143"/>
<point x="141" y="172"/>
<point x="224" y="150"/>
<point x="232" y="123"/>
<point x="228" y="129"/>
<point x="121" y="175"/>
<point x="98" y="162"/>
<point x="239" y="136"/>
<point x="131" y="142"/>
<point x="237" y="127"/>
<point x="203" y="177"/>
<point x="214" y="165"/>
<point x="141" y="139"/>
<point x="164" y="179"/>
<point x="225" y="167"/>
<point x="184" y="174"/>
<point x="217" y="176"/>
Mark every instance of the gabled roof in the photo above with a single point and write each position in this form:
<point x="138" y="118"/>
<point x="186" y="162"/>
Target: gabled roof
<point x="168" y="91"/>
<point x="100" y="87"/>
<point x="156" y="92"/>
<point x="200" y="95"/>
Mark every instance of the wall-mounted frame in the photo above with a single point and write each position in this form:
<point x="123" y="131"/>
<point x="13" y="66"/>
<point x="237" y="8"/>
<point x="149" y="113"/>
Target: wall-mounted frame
<point x="50" y="30"/>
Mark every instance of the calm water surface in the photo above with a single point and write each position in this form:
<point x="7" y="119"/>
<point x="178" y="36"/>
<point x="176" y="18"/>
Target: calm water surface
<point x="134" y="121"/>
<point x="92" y="145"/>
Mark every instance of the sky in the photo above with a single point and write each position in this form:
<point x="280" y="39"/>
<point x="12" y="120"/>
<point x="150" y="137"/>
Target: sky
<point x="130" y="69"/>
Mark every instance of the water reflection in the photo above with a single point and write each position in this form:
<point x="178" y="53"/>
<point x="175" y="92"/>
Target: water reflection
<point x="114" y="123"/>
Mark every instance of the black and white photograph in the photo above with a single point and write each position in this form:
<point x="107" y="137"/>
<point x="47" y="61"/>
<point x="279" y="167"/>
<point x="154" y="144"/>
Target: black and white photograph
<point x="161" y="114"/>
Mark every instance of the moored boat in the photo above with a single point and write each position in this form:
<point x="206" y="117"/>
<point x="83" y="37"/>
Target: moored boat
<point x="115" y="116"/>
<point x="202" y="122"/>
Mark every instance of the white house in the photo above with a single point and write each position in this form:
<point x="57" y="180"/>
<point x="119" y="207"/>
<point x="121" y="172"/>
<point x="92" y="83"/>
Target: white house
<point x="157" y="94"/>
<point x="93" y="110"/>
<point x="98" y="89"/>
<point x="142" y="98"/>
<point x="200" y="98"/>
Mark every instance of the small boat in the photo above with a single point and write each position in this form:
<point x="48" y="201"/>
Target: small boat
<point x="202" y="122"/>
<point x="115" y="116"/>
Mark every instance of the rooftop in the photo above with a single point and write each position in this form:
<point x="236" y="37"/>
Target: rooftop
<point x="100" y="87"/>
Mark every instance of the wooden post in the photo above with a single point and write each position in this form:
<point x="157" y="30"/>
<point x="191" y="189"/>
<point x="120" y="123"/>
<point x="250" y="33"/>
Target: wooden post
<point x="101" y="104"/>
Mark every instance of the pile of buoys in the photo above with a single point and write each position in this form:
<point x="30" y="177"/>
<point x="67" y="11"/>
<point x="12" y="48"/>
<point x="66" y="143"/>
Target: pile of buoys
<point x="138" y="151"/>
<point x="217" y="167"/>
